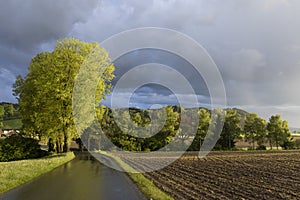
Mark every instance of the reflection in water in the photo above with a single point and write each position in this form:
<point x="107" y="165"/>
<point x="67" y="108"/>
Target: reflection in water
<point x="82" y="178"/>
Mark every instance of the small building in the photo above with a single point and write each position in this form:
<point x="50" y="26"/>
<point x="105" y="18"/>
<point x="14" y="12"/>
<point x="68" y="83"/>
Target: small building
<point x="8" y="132"/>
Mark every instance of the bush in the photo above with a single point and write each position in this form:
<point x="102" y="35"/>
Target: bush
<point x="288" y="145"/>
<point x="217" y="147"/>
<point x="297" y="144"/>
<point x="261" y="147"/>
<point x="17" y="147"/>
<point x="294" y="144"/>
<point x="251" y="148"/>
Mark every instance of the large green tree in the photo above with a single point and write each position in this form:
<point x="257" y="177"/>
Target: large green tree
<point x="231" y="130"/>
<point x="45" y="94"/>
<point x="278" y="131"/>
<point x="255" y="129"/>
<point x="202" y="130"/>
<point x="286" y="136"/>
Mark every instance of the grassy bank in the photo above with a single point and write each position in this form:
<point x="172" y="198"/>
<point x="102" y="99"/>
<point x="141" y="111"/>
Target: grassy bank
<point x="145" y="185"/>
<point x="15" y="173"/>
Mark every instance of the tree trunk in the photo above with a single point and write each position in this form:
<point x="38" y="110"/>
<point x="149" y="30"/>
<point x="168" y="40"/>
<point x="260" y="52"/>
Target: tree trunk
<point x="201" y="142"/>
<point x="50" y="145"/>
<point x="59" y="147"/>
<point x="80" y="145"/>
<point x="66" y="147"/>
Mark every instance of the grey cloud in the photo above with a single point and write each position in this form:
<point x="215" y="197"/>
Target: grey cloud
<point x="25" y="25"/>
<point x="6" y="80"/>
<point x="255" y="43"/>
<point x="123" y="15"/>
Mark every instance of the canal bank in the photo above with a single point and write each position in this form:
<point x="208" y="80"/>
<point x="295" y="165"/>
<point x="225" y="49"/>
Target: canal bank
<point x="82" y="178"/>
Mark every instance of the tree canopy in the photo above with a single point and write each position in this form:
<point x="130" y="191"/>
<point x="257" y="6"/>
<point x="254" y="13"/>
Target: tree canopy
<point x="255" y="129"/>
<point x="278" y="131"/>
<point x="45" y="93"/>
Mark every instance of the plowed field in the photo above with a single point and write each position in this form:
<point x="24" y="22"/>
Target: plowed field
<point x="229" y="175"/>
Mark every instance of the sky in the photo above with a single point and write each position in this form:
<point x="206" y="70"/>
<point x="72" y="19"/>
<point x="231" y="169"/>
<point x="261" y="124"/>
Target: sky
<point x="254" y="43"/>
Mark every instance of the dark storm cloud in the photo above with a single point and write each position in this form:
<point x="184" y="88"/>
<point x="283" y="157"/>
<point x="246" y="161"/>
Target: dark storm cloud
<point x="255" y="43"/>
<point x="28" y="27"/>
<point x="140" y="57"/>
<point x="25" y="25"/>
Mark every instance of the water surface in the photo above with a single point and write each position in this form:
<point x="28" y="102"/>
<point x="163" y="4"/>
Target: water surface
<point x="82" y="178"/>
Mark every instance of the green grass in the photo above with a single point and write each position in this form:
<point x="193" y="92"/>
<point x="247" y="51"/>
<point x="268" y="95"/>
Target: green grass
<point x="145" y="185"/>
<point x="16" y="173"/>
<point x="12" y="124"/>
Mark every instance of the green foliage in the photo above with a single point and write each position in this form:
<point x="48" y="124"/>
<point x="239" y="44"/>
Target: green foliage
<point x="204" y="122"/>
<point x="2" y="111"/>
<point x="17" y="147"/>
<point x="124" y="136"/>
<point x="296" y="144"/>
<point x="45" y="94"/>
<point x="169" y="130"/>
<point x="278" y="132"/>
<point x="255" y="129"/>
<point x="231" y="130"/>
<point x="261" y="147"/>
<point x="8" y="111"/>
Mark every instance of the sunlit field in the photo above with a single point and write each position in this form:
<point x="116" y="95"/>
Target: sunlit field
<point x="17" y="172"/>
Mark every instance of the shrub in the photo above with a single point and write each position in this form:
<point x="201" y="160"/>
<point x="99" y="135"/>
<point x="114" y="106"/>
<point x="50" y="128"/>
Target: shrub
<point x="288" y="145"/>
<point x="251" y="148"/>
<point x="17" y="147"/>
<point x="297" y="144"/>
<point x="261" y="147"/>
<point x="217" y="147"/>
<point x="294" y="144"/>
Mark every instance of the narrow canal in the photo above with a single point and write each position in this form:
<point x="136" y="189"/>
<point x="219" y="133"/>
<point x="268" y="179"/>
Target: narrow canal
<point x="83" y="178"/>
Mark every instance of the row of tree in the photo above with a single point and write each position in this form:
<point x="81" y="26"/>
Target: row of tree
<point x="129" y="132"/>
<point x="45" y="93"/>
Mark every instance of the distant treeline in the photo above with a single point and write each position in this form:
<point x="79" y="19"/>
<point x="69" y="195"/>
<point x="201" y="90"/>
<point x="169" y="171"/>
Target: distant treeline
<point x="8" y="111"/>
<point x="129" y="132"/>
